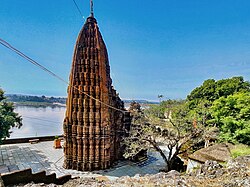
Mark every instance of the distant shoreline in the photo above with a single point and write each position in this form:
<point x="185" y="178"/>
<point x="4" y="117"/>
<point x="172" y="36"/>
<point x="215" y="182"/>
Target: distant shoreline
<point x="39" y="104"/>
<point x="43" y="101"/>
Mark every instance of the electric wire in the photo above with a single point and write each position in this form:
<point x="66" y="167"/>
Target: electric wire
<point x="41" y="119"/>
<point x="77" y="7"/>
<point x="41" y="125"/>
<point x="7" y="45"/>
<point x="49" y="121"/>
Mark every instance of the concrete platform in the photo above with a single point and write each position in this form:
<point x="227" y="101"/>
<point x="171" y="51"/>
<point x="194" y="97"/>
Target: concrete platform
<point x="42" y="156"/>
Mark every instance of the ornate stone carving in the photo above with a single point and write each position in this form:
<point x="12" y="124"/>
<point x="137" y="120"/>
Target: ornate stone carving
<point x="92" y="131"/>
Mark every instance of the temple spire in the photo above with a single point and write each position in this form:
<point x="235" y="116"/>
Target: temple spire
<point x="93" y="129"/>
<point x="91" y="8"/>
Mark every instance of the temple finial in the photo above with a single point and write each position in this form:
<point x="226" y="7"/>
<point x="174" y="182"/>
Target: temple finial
<point x="91" y="8"/>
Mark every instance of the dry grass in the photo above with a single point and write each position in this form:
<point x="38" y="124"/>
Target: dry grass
<point x="240" y="150"/>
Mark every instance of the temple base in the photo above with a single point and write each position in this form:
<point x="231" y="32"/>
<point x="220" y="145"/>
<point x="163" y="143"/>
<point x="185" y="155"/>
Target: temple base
<point x="86" y="166"/>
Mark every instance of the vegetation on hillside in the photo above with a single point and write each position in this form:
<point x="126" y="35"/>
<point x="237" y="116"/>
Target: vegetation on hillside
<point x="215" y="111"/>
<point x="232" y="116"/>
<point x="226" y="104"/>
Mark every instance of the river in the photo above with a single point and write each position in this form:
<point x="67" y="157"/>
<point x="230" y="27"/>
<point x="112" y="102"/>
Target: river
<point x="41" y="121"/>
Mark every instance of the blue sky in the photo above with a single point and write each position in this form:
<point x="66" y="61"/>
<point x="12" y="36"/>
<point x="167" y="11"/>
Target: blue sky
<point x="164" y="47"/>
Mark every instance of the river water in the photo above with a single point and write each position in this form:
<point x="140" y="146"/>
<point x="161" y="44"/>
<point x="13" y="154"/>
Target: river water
<point x="39" y="121"/>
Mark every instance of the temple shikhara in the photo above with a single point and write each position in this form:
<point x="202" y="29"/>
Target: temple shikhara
<point x="94" y="120"/>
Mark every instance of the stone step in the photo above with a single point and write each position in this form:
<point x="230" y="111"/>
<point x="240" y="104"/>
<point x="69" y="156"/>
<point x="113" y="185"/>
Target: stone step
<point x="4" y="169"/>
<point x="26" y="176"/>
<point x="13" y="168"/>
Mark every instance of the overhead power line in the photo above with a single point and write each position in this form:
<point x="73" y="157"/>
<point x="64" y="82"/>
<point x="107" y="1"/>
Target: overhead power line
<point x="7" y="45"/>
<point x="34" y="123"/>
<point x="41" y="119"/>
<point x="78" y="9"/>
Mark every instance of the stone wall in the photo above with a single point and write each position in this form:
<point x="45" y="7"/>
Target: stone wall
<point x="26" y="140"/>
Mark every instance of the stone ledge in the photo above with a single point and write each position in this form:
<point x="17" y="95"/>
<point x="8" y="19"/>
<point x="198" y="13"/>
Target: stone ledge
<point x="26" y="140"/>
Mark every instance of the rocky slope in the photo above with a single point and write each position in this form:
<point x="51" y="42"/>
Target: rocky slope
<point x="211" y="174"/>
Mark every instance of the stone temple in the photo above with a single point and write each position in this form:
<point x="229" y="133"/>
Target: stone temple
<point x="92" y="129"/>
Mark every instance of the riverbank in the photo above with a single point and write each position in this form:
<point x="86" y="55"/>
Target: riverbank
<point x="39" y="104"/>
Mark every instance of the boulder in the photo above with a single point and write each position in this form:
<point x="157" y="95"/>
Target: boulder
<point x="217" y="152"/>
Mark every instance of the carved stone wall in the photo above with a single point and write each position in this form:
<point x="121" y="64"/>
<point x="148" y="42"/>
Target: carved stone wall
<point x="92" y="130"/>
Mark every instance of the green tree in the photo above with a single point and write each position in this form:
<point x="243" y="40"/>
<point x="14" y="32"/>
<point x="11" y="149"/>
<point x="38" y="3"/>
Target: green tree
<point x="211" y="90"/>
<point x="160" y="97"/>
<point x="163" y="109"/>
<point x="169" y="137"/>
<point x="223" y="104"/>
<point x="232" y="115"/>
<point x="8" y="118"/>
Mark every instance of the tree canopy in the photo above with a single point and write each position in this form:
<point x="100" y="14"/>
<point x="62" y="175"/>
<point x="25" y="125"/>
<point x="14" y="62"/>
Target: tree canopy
<point x="216" y="110"/>
<point x="8" y="118"/>
<point x="232" y="115"/>
<point x="211" y="90"/>
<point x="226" y="105"/>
